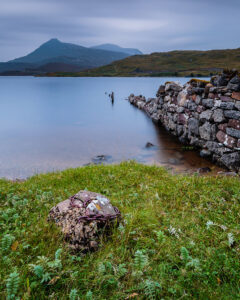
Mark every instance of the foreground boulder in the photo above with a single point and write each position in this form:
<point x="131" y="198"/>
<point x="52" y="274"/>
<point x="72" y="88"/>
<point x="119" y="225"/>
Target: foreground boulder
<point x="84" y="218"/>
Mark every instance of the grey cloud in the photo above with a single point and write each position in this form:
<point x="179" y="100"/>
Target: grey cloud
<point x="151" y="26"/>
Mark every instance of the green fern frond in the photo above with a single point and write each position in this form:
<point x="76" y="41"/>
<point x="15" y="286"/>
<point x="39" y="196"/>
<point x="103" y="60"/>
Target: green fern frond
<point x="189" y="261"/>
<point x="151" y="289"/>
<point x="193" y="263"/>
<point x="42" y="261"/>
<point x="89" y="295"/>
<point x="12" y="285"/>
<point x="46" y="277"/>
<point x="73" y="294"/>
<point x="137" y="274"/>
<point x="140" y="260"/>
<point x="121" y="270"/>
<point x="6" y="242"/>
<point x="101" y="269"/>
<point x="109" y="266"/>
<point x="160" y="236"/>
<point x="38" y="271"/>
<point x="185" y="254"/>
<point x="58" y="254"/>
<point x="55" y="264"/>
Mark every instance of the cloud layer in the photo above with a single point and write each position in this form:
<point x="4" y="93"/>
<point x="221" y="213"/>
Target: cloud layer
<point x="151" y="26"/>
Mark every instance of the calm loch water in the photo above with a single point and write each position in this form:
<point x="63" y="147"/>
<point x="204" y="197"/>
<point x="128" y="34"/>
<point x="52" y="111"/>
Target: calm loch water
<point x="51" y="124"/>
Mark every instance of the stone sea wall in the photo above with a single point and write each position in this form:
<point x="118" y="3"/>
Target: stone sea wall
<point x="202" y="114"/>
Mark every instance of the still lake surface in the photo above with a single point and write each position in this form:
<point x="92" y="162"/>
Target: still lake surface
<point x="49" y="124"/>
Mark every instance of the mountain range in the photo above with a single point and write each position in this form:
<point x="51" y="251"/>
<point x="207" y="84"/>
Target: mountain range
<point x="55" y="56"/>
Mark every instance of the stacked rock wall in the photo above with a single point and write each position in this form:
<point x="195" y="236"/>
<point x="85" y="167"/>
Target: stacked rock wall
<point x="203" y="114"/>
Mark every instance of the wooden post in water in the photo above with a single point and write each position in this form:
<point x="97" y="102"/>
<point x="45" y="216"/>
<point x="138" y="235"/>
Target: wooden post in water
<point x="112" y="97"/>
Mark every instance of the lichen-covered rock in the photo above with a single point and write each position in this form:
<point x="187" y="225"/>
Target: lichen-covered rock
<point x="208" y="103"/>
<point x="233" y="87"/>
<point x="182" y="119"/>
<point x="223" y="127"/>
<point x="226" y="140"/>
<point x="206" y="131"/>
<point x="227" y="105"/>
<point x="232" y="114"/>
<point x="205" y="153"/>
<point x="218" y="116"/>
<point x="231" y="161"/>
<point x="173" y="86"/>
<point x="234" y="124"/>
<point x="193" y="126"/>
<point x="237" y="105"/>
<point x="233" y="132"/>
<point x="206" y="115"/>
<point x="83" y="218"/>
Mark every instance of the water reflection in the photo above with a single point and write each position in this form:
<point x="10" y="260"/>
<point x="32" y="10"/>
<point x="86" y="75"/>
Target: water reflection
<point x="54" y="123"/>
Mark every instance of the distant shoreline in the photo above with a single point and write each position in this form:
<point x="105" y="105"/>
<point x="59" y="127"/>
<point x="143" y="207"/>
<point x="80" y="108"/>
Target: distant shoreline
<point x="123" y="75"/>
<point x="96" y="76"/>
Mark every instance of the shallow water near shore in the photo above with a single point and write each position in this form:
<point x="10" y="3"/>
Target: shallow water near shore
<point x="49" y="124"/>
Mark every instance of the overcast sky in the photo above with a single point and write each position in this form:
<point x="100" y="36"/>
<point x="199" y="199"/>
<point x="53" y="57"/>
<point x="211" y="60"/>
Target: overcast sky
<point x="150" y="25"/>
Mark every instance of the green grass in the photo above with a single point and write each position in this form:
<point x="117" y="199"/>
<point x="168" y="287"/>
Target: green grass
<point x="179" y="240"/>
<point x="172" y="63"/>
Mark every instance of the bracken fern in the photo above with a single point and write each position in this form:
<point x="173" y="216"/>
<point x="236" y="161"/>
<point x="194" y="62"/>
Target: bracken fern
<point x="12" y="285"/>
<point x="151" y="289"/>
<point x="140" y="260"/>
<point x="38" y="271"/>
<point x="73" y="294"/>
<point x="160" y="236"/>
<point x="185" y="254"/>
<point x="190" y="262"/>
<point x="6" y="242"/>
<point x="89" y="295"/>
<point x="231" y="239"/>
<point x="121" y="270"/>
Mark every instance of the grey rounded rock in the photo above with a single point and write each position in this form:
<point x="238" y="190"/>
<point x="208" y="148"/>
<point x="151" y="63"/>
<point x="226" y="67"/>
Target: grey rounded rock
<point x="84" y="218"/>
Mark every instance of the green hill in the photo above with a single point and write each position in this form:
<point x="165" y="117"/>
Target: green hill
<point x="174" y="63"/>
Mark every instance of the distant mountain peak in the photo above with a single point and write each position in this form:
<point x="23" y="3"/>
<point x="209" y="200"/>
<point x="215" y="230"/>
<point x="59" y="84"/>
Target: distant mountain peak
<point x="116" y="48"/>
<point x="56" y="55"/>
<point x="53" y="41"/>
<point x="109" y="44"/>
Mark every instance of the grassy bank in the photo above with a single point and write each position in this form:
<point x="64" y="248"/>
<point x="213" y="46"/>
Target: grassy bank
<point x="180" y="239"/>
